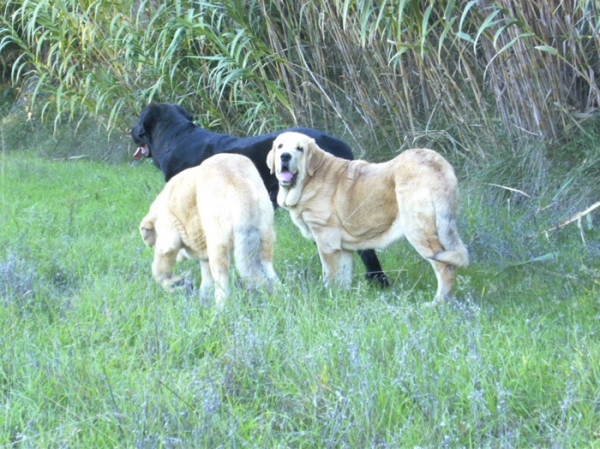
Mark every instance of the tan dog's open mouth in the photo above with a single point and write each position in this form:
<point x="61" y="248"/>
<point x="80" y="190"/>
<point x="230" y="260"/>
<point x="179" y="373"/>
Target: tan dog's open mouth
<point x="286" y="178"/>
<point x="141" y="152"/>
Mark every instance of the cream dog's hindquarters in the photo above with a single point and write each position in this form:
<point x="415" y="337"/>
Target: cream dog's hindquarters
<point x="207" y="213"/>
<point x="350" y="205"/>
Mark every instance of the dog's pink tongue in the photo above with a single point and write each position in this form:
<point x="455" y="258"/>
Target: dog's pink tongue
<point x="286" y="176"/>
<point x="139" y="153"/>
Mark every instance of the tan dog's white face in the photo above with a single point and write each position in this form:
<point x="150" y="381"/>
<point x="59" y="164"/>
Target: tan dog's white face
<point x="287" y="158"/>
<point x="293" y="159"/>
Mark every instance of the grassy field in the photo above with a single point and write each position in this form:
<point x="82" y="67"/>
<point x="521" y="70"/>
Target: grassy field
<point x="94" y="354"/>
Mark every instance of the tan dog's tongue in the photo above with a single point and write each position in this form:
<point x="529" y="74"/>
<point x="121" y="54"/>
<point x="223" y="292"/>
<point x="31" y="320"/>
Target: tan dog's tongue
<point x="286" y="176"/>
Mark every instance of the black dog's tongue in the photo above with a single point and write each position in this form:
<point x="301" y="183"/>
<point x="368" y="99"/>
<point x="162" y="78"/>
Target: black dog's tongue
<point x="140" y="153"/>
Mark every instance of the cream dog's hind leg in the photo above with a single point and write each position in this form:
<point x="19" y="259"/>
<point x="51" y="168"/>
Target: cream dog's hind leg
<point x="166" y="249"/>
<point x="207" y="282"/>
<point x="219" y="263"/>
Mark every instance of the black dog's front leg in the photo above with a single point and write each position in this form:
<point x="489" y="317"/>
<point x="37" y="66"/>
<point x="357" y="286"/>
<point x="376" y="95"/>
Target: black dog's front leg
<point x="375" y="273"/>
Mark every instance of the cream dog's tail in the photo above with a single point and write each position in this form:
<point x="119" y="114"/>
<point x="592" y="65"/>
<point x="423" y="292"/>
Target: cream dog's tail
<point x="247" y="252"/>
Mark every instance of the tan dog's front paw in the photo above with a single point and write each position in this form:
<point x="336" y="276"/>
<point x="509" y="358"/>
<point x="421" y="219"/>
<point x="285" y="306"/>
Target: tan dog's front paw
<point x="176" y="284"/>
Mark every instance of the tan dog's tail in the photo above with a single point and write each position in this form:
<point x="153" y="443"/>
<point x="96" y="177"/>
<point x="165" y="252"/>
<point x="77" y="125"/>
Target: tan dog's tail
<point x="248" y="255"/>
<point x="455" y="252"/>
<point x="147" y="230"/>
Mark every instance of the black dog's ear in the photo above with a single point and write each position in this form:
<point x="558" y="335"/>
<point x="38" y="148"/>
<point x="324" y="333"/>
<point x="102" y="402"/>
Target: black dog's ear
<point x="185" y="113"/>
<point x="139" y="130"/>
<point x="146" y="119"/>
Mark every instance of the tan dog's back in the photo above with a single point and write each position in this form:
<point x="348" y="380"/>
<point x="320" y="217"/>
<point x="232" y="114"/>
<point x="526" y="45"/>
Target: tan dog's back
<point x="369" y="200"/>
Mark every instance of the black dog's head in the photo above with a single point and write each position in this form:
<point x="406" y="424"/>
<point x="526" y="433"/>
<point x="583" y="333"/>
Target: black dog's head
<point x="144" y="135"/>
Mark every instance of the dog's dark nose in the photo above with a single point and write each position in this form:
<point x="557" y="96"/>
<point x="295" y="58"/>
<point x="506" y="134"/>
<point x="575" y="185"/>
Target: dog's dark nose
<point x="285" y="157"/>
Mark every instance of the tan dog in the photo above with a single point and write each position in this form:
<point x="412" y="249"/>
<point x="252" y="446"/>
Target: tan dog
<point x="350" y="205"/>
<point x="206" y="213"/>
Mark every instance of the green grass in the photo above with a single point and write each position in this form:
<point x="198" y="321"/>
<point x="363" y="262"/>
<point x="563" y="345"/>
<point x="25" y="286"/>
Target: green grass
<point x="94" y="354"/>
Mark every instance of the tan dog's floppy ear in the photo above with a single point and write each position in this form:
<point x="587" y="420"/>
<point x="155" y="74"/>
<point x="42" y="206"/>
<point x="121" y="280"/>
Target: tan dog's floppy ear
<point x="271" y="159"/>
<point x="315" y="157"/>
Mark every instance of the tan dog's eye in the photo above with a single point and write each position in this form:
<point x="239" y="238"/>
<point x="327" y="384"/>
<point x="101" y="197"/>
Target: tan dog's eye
<point x="300" y="149"/>
<point x="280" y="146"/>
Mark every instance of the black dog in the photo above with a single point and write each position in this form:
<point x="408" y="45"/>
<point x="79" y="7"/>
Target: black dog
<point x="167" y="134"/>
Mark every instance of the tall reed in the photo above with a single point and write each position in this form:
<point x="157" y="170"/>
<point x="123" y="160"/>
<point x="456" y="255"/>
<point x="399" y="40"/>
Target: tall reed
<point x="385" y="73"/>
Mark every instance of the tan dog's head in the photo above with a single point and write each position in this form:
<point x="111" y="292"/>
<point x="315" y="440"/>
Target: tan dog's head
<point x="293" y="158"/>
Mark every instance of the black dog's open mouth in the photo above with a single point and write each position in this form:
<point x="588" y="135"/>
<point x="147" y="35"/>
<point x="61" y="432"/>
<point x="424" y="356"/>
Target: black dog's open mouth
<point x="141" y="152"/>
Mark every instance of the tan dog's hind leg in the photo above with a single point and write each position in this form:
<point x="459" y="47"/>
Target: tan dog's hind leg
<point x="446" y="276"/>
<point x="207" y="282"/>
<point x="167" y="247"/>
<point x="428" y="246"/>
<point x="421" y="232"/>
<point x="267" y="245"/>
<point x="219" y="261"/>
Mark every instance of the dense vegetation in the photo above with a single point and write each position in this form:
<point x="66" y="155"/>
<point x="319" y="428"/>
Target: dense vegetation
<point x="93" y="354"/>
<point x="457" y="71"/>
<point x="486" y="80"/>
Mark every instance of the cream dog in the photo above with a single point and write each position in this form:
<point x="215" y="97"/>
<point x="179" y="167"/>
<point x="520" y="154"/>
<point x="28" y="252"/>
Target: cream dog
<point x="209" y="212"/>
<point x="350" y="205"/>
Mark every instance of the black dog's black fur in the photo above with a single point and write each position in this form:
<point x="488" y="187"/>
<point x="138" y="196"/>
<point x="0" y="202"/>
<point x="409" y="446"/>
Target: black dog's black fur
<point x="166" y="133"/>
